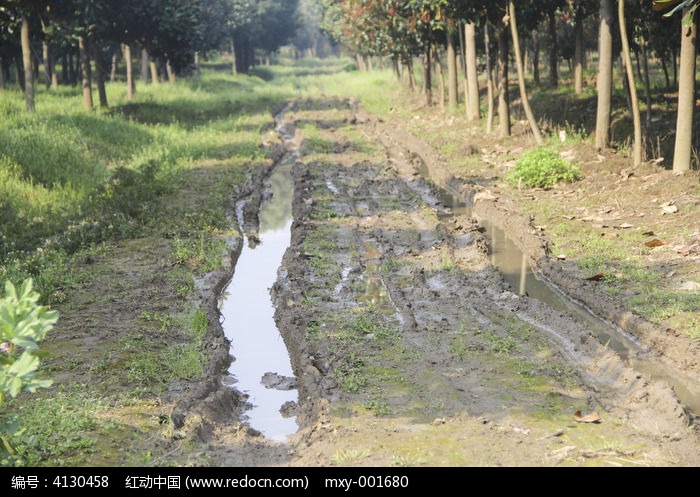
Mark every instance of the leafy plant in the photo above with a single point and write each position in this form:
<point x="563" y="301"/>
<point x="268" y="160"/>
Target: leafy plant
<point x="23" y="323"/>
<point x="542" y="168"/>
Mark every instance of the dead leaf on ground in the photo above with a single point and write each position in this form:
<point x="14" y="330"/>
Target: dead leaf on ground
<point x="672" y="332"/>
<point x="596" y="277"/>
<point x="625" y="226"/>
<point x="654" y="243"/>
<point x="648" y="233"/>
<point x="669" y="207"/>
<point x="589" y="418"/>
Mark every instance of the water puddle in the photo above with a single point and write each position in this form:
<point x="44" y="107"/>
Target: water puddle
<point x="261" y="367"/>
<point x="513" y="264"/>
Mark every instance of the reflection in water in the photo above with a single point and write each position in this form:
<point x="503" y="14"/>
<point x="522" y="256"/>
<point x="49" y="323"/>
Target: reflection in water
<point x="248" y="315"/>
<point x="512" y="263"/>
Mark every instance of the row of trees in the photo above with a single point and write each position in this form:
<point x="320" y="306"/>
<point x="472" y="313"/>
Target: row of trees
<point x="405" y="30"/>
<point x="86" y="38"/>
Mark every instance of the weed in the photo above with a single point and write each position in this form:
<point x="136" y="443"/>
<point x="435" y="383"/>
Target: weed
<point x="542" y="167"/>
<point x="346" y="456"/>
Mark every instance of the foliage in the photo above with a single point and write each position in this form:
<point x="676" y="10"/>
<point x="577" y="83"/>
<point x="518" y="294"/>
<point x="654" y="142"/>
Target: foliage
<point x="23" y="324"/>
<point x="542" y="167"/>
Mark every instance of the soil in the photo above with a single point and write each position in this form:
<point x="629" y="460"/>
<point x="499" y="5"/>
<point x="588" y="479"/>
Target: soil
<point x="409" y="346"/>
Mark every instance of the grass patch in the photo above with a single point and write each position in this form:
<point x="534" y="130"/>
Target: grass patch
<point x="542" y="167"/>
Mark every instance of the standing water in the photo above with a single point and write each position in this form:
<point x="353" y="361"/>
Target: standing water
<point x="261" y="367"/>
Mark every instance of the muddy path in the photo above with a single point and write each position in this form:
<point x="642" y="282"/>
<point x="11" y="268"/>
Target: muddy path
<point x="408" y="345"/>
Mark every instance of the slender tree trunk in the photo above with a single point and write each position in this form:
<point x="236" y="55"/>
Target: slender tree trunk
<point x="647" y="84"/>
<point x="451" y="71"/>
<point x="521" y="76"/>
<point x="441" y="78"/>
<point x="100" y="75"/>
<point x="234" y="70"/>
<point x="471" y="70"/>
<point x="154" y="72"/>
<point x="130" y="84"/>
<point x="169" y="70"/>
<point x="536" y="58"/>
<point x="143" y="65"/>
<point x="47" y="64"/>
<point x="503" y="97"/>
<point x="665" y="69"/>
<point x="427" y="75"/>
<point x="637" y="148"/>
<point x="2" y="74"/>
<point x="113" y="69"/>
<point x="28" y="70"/>
<point x="85" y="72"/>
<point x="605" y="64"/>
<point x="686" y="97"/>
<point x="578" y="51"/>
<point x="489" y="80"/>
<point x="553" y="49"/>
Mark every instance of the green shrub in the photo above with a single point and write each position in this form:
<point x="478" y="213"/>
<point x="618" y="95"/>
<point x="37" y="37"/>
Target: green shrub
<point x="23" y="323"/>
<point x="542" y="168"/>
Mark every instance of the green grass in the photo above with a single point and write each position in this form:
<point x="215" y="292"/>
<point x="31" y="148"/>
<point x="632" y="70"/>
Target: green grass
<point x="542" y="167"/>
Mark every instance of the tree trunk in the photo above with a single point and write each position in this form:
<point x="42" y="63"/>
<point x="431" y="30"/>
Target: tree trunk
<point x="47" y="65"/>
<point x="234" y="70"/>
<point x="602" y="124"/>
<point x="503" y="98"/>
<point x="143" y="65"/>
<point x="169" y="70"/>
<point x="578" y="51"/>
<point x="100" y="75"/>
<point x="489" y="80"/>
<point x="451" y="71"/>
<point x="154" y="72"/>
<point x="441" y="79"/>
<point x="647" y="83"/>
<point x="113" y="69"/>
<point x="27" y="61"/>
<point x="427" y="75"/>
<point x="536" y="57"/>
<point x="521" y="76"/>
<point x="637" y="148"/>
<point x="85" y="72"/>
<point x="130" y="85"/>
<point x="686" y="97"/>
<point x="471" y="70"/>
<point x="553" y="49"/>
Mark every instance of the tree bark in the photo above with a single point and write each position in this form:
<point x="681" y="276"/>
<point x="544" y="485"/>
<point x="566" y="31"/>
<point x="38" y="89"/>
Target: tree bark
<point x="521" y="76"/>
<point x="130" y="85"/>
<point x="686" y="97"/>
<point x="170" y="71"/>
<point x="578" y="50"/>
<point x="27" y="62"/>
<point x="451" y="71"/>
<point x="637" y="147"/>
<point x="553" y="49"/>
<point x="605" y="64"/>
<point x="471" y="70"/>
<point x="100" y="76"/>
<point x="427" y="75"/>
<point x="489" y="80"/>
<point x="85" y="72"/>
<point x="503" y="98"/>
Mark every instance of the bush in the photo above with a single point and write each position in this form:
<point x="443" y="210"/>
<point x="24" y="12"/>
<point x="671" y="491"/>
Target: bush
<point x="542" y="168"/>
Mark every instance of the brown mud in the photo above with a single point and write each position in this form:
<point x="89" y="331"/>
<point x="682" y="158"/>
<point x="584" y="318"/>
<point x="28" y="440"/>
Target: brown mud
<point x="410" y="348"/>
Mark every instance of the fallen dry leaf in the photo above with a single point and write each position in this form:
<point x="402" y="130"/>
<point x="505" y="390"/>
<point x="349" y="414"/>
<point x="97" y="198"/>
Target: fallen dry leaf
<point x="654" y="243"/>
<point x="596" y="277"/>
<point x="590" y="418"/>
<point x="625" y="226"/>
<point x="648" y="233"/>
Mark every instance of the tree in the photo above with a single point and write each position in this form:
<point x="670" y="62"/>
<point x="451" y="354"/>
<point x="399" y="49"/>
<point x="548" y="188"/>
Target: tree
<point x="637" y="147"/>
<point x="686" y="81"/>
<point x="521" y="77"/>
<point x="605" y="45"/>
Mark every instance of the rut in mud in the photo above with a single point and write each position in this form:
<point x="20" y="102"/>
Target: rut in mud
<point x="409" y="346"/>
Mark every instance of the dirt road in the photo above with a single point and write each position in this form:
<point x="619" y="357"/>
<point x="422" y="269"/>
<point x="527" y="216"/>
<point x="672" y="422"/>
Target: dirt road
<point x="409" y="346"/>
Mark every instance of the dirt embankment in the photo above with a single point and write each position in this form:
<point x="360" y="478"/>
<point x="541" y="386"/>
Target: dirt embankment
<point x="409" y="346"/>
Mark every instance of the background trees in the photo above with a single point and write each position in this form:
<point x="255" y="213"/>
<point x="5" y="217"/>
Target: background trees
<point x="87" y="42"/>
